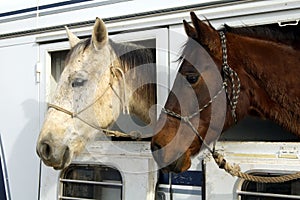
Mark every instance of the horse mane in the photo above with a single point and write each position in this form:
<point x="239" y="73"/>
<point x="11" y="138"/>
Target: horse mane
<point x="289" y="35"/>
<point x="134" y="56"/>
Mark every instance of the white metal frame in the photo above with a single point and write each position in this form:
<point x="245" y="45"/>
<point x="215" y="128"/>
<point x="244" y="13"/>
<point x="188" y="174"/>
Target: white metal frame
<point x="252" y="157"/>
<point x="102" y="183"/>
<point x="240" y="13"/>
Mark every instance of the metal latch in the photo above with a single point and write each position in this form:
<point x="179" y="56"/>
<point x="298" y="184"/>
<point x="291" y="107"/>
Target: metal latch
<point x="290" y="23"/>
<point x="288" y="152"/>
<point x="38" y="72"/>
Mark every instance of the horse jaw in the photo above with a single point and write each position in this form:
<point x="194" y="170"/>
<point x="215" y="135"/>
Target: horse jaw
<point x="182" y="164"/>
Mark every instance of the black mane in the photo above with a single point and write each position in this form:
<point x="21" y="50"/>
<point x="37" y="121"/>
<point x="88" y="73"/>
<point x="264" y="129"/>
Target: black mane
<point x="289" y="35"/>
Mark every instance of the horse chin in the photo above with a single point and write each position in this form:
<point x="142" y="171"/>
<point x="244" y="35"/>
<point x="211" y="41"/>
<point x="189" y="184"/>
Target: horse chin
<point x="66" y="161"/>
<point x="62" y="166"/>
<point x="58" y="166"/>
<point x="180" y="165"/>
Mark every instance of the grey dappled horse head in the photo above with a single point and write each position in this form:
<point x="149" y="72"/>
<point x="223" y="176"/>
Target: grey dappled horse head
<point x="101" y="79"/>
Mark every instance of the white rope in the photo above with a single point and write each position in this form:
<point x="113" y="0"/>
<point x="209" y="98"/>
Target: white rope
<point x="125" y="101"/>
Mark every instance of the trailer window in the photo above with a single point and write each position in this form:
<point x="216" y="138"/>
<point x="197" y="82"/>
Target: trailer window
<point x="267" y="191"/>
<point x="57" y="66"/>
<point x="91" y="182"/>
<point x="57" y="63"/>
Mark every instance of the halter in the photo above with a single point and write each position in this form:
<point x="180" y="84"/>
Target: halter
<point x="123" y="99"/>
<point x="230" y="77"/>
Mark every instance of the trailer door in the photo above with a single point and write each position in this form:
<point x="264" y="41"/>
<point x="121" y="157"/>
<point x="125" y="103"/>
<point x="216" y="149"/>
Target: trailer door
<point x="19" y="114"/>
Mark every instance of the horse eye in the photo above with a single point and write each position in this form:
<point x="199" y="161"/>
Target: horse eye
<point x="78" y="82"/>
<point x="192" y="78"/>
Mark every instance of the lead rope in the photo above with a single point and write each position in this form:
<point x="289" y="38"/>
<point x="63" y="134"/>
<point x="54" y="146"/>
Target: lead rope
<point x="107" y="132"/>
<point x="234" y="169"/>
<point x="230" y="77"/>
<point x="124" y="99"/>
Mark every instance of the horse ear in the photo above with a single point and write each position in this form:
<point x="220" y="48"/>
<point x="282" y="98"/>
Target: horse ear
<point x="73" y="39"/>
<point x="99" y="35"/>
<point x="189" y="30"/>
<point x="206" y="34"/>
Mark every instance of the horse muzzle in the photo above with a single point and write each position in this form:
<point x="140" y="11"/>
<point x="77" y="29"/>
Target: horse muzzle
<point x="176" y="163"/>
<point x="54" y="156"/>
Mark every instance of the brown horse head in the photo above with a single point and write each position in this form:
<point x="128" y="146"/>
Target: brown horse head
<point x="222" y="78"/>
<point x="195" y="110"/>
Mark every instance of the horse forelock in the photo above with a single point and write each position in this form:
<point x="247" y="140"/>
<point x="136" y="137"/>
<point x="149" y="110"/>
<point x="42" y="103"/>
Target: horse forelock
<point x="77" y="49"/>
<point x="187" y="50"/>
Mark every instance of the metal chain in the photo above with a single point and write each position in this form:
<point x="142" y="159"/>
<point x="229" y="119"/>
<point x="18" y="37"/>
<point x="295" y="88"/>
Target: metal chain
<point x="186" y="119"/>
<point x="231" y="77"/>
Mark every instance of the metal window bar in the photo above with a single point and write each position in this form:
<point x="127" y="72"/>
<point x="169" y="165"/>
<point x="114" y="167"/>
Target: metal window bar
<point x="261" y="194"/>
<point x="73" y="198"/>
<point x="118" y="184"/>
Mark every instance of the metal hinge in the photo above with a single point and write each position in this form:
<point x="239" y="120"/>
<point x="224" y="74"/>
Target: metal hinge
<point x="38" y="72"/>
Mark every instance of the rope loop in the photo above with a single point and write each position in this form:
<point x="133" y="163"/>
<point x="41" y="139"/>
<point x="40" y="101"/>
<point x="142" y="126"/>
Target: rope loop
<point x="235" y="170"/>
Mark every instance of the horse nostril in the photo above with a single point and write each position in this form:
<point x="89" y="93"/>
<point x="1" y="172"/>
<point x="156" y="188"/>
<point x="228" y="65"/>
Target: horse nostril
<point x="45" y="151"/>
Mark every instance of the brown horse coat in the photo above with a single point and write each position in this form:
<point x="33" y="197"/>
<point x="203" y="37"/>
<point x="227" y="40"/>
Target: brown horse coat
<point x="268" y="68"/>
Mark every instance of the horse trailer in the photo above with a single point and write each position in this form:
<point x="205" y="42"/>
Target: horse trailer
<point x="112" y="169"/>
